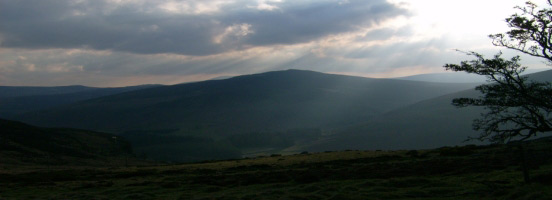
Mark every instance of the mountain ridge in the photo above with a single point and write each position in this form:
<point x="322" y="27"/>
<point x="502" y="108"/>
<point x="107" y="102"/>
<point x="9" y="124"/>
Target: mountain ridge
<point x="216" y="119"/>
<point x="255" y="94"/>
<point x="430" y="123"/>
<point x="457" y="77"/>
<point x="28" y="99"/>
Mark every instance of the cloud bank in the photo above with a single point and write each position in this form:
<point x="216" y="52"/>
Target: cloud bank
<point x="180" y="27"/>
<point x="129" y="42"/>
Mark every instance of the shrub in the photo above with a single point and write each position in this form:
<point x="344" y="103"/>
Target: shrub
<point x="455" y="151"/>
<point x="412" y="153"/>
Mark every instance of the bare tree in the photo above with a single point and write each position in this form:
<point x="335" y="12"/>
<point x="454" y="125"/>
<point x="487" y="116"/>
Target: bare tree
<point x="518" y="108"/>
<point x="530" y="31"/>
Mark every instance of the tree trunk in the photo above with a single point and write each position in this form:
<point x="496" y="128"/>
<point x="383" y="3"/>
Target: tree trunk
<point x="524" y="166"/>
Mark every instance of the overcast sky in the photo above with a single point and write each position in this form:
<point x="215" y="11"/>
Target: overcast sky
<point x="131" y="42"/>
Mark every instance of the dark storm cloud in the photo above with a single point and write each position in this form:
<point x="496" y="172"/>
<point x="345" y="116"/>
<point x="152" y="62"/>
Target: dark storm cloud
<point x="142" y="27"/>
<point x="297" y="23"/>
<point x="60" y="24"/>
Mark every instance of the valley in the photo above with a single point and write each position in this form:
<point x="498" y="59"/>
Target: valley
<point x="275" y="99"/>
<point x="260" y="114"/>
<point x="280" y="112"/>
<point x="278" y="135"/>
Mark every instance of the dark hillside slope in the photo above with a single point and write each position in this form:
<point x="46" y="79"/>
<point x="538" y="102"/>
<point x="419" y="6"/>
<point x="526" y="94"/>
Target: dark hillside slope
<point x="272" y="101"/>
<point x="24" y="144"/>
<point x="541" y="76"/>
<point x="428" y="124"/>
<point x="19" y="91"/>
<point x="29" y="99"/>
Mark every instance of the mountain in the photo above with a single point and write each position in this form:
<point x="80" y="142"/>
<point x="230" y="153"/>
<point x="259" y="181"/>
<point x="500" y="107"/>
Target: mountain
<point x="455" y="77"/>
<point x="24" y="144"/>
<point x="544" y="76"/>
<point x="221" y="77"/>
<point x="274" y="101"/>
<point x="18" y="100"/>
<point x="18" y="91"/>
<point x="240" y="116"/>
<point x="451" y="77"/>
<point x="427" y="124"/>
<point x="275" y="112"/>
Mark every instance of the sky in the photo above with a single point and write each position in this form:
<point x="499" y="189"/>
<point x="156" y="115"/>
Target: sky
<point x="112" y="43"/>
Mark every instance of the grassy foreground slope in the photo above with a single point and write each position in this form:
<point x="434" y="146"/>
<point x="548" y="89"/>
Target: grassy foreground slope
<point x="469" y="172"/>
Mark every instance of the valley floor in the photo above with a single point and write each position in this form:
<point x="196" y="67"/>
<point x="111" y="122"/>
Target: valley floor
<point x="469" y="172"/>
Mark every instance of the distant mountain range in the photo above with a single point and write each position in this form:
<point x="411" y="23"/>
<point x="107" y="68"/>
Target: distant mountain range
<point x="273" y="112"/>
<point x="19" y="91"/>
<point x="18" y="100"/>
<point x="455" y="77"/>
<point x="274" y="101"/>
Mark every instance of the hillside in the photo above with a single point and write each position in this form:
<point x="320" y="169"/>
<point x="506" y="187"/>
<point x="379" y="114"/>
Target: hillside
<point x="272" y="101"/>
<point x="427" y="124"/>
<point x="245" y="115"/>
<point x="19" y="100"/>
<point x="25" y="145"/>
<point x="19" y="91"/>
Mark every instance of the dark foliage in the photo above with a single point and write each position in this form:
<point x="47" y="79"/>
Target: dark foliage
<point x="163" y="145"/>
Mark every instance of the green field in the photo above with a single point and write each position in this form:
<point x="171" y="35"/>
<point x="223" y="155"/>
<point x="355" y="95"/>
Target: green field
<point x="469" y="172"/>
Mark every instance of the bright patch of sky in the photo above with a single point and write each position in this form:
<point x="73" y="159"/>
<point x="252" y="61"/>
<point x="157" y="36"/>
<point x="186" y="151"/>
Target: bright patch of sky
<point x="130" y="42"/>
